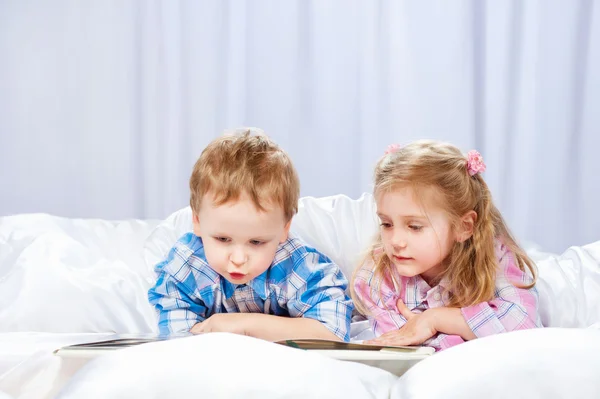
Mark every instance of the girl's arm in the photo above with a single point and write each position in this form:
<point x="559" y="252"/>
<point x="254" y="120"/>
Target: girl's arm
<point x="379" y="299"/>
<point x="450" y="321"/>
<point x="512" y="309"/>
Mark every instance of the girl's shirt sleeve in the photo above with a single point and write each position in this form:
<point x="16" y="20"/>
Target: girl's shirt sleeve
<point x="378" y="297"/>
<point x="512" y="308"/>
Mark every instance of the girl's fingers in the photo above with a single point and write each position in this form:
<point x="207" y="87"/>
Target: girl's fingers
<point x="404" y="311"/>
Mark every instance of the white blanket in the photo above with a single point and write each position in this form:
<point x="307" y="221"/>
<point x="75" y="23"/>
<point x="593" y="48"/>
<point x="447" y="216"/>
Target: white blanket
<point x="63" y="278"/>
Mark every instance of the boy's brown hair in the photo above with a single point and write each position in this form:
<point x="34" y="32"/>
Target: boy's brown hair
<point x="246" y="163"/>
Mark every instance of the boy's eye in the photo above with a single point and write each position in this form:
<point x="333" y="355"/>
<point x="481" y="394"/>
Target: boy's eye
<point x="256" y="242"/>
<point x="415" y="227"/>
<point x="222" y="239"/>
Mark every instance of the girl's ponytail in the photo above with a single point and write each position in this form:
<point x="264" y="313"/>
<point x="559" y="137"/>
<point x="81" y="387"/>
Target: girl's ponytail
<point x="475" y="283"/>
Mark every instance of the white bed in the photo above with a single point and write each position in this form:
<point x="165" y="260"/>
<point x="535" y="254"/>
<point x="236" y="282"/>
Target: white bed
<point x="65" y="281"/>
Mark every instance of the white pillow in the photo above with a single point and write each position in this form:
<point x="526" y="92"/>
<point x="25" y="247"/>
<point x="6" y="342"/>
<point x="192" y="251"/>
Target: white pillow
<point x="73" y="275"/>
<point x="569" y="287"/>
<point x="538" y="363"/>
<point x="221" y="365"/>
<point x="340" y="227"/>
<point x="165" y="235"/>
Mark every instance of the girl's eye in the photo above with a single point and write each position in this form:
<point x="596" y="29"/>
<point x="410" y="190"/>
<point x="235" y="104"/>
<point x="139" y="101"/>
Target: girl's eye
<point x="414" y="227"/>
<point x="222" y="239"/>
<point x="386" y="225"/>
<point x="256" y="242"/>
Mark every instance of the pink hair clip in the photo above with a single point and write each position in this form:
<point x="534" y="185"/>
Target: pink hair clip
<point x="392" y="148"/>
<point x="475" y="163"/>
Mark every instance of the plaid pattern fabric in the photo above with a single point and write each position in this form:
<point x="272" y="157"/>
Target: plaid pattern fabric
<point x="511" y="309"/>
<point x="301" y="282"/>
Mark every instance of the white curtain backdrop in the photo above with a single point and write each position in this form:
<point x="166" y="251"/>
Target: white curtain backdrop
<point x="105" y="105"/>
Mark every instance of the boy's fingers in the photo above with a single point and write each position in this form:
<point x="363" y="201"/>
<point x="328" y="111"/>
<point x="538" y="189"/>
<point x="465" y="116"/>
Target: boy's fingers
<point x="198" y="328"/>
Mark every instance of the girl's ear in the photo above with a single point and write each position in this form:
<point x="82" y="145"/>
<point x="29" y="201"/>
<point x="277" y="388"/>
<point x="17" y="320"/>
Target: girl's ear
<point x="466" y="226"/>
<point x="195" y="224"/>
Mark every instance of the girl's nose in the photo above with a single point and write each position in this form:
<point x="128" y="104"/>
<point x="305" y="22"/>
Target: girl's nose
<point x="399" y="239"/>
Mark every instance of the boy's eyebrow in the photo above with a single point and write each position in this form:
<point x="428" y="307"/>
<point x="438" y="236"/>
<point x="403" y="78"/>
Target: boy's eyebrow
<point x="261" y="238"/>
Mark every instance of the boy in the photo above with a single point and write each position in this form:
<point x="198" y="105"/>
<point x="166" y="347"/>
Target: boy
<point x="239" y="271"/>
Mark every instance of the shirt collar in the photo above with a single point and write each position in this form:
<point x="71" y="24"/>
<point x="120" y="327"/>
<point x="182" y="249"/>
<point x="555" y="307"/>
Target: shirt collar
<point x="228" y="288"/>
<point x="444" y="283"/>
<point x="258" y="285"/>
<point x="423" y="288"/>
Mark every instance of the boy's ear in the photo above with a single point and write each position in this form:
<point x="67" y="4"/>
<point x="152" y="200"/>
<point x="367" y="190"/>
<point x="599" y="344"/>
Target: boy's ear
<point x="466" y="226"/>
<point x="286" y="232"/>
<point x="195" y="224"/>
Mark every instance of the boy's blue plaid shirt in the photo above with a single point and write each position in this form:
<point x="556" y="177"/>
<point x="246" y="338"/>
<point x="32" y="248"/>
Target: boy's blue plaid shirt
<point x="301" y="282"/>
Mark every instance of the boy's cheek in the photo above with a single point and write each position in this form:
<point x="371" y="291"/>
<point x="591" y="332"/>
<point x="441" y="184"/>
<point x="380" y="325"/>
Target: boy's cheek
<point x="209" y="254"/>
<point x="196" y="229"/>
<point x="211" y="257"/>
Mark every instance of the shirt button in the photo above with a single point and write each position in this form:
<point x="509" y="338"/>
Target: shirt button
<point x="437" y="296"/>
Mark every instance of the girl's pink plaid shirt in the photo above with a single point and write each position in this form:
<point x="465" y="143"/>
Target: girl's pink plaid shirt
<point x="511" y="309"/>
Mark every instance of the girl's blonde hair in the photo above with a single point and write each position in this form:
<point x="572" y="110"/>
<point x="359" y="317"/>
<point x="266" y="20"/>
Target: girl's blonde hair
<point x="471" y="266"/>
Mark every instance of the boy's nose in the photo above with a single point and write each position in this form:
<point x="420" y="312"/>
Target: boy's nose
<point x="238" y="258"/>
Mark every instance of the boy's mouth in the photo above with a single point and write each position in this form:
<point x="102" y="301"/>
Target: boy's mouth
<point x="237" y="276"/>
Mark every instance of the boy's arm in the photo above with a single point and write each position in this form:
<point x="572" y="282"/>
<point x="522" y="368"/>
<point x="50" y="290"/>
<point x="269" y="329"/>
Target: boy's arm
<point x="174" y="294"/>
<point x="316" y="291"/>
<point x="265" y="326"/>
<point x="316" y="302"/>
<point x="276" y="328"/>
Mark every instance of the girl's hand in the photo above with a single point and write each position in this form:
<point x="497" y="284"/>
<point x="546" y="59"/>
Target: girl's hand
<point x="419" y="328"/>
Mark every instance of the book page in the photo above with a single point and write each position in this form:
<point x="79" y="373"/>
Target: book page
<point x="324" y="344"/>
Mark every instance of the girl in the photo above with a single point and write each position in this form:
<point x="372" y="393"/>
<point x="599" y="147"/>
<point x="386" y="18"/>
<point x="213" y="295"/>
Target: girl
<point x="445" y="268"/>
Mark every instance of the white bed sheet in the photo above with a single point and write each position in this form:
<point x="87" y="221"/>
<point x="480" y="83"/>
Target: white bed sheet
<point x="67" y="278"/>
<point x="28" y="367"/>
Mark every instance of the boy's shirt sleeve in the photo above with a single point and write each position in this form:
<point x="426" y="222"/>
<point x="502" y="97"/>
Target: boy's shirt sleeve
<point x="176" y="293"/>
<point x="316" y="289"/>
<point x="379" y="299"/>
<point x="513" y="308"/>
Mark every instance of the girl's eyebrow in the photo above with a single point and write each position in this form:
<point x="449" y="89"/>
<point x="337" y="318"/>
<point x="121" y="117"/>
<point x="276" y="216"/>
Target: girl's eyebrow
<point x="381" y="215"/>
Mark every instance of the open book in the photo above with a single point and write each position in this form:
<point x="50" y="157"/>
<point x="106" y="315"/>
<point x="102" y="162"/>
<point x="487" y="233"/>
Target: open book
<point x="396" y="359"/>
<point x="124" y="341"/>
<point x="324" y="344"/>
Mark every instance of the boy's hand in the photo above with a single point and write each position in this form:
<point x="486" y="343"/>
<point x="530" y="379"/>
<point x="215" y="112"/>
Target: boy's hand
<point x="236" y="323"/>
<point x="419" y="328"/>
